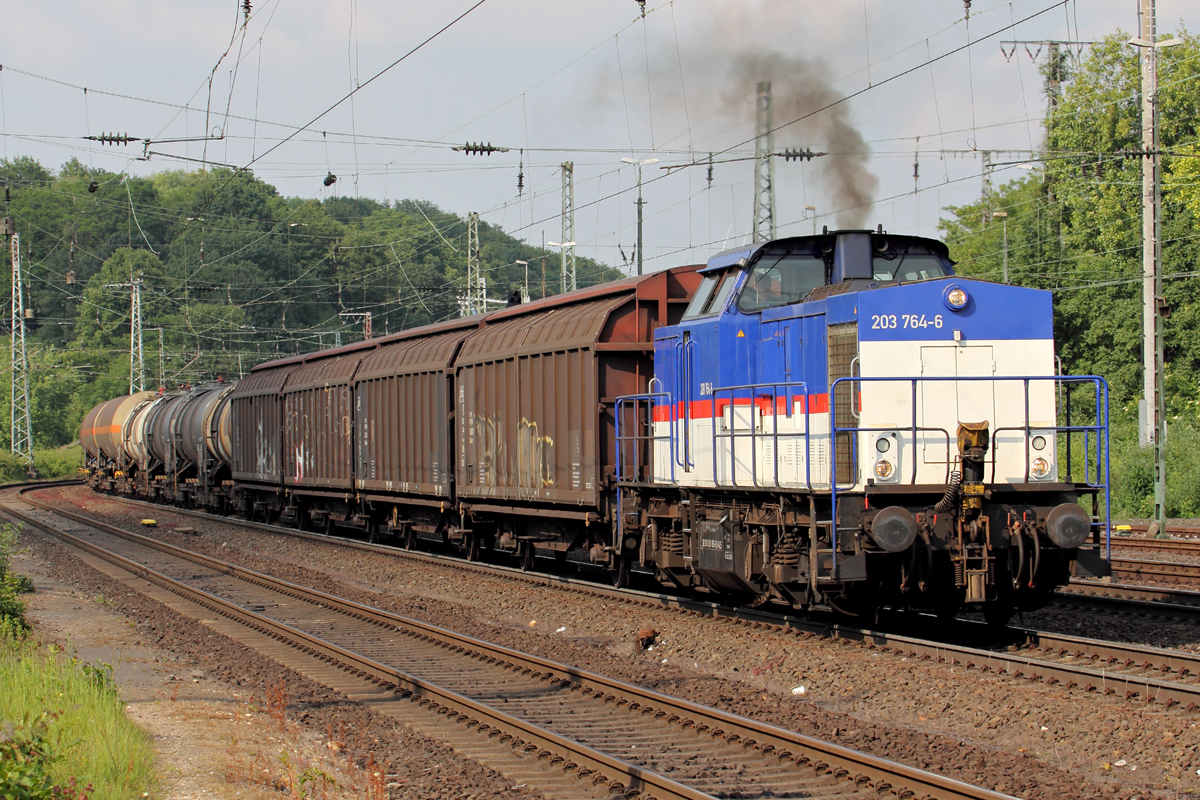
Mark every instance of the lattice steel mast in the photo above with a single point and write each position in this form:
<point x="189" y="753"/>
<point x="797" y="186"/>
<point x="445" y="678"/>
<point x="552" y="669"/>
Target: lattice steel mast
<point x="764" y="166"/>
<point x="21" y="419"/>
<point x="568" y="226"/>
<point x="137" y="361"/>
<point x="476" y="301"/>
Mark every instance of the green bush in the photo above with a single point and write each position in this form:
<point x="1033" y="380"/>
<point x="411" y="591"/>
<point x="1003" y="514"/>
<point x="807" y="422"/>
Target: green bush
<point x="12" y="610"/>
<point x="74" y="732"/>
<point x="1133" y="471"/>
<point x="61" y="462"/>
<point x="28" y="752"/>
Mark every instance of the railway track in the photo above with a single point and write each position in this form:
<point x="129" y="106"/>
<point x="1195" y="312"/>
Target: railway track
<point x="1184" y="532"/>
<point x="620" y="737"/>
<point x="1183" y="572"/>
<point x="1091" y="665"/>
<point x="1183" y="546"/>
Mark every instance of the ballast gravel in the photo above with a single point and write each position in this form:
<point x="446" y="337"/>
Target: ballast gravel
<point x="413" y="766"/>
<point x="1015" y="736"/>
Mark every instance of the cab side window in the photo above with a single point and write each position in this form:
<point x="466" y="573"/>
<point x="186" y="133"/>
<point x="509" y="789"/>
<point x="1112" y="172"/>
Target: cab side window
<point x="908" y="268"/>
<point x="714" y="291"/>
<point x="781" y="281"/>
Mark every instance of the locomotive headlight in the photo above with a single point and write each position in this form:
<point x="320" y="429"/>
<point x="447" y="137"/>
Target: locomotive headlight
<point x="956" y="298"/>
<point x="884" y="469"/>
<point x="883" y="444"/>
<point x="1039" y="467"/>
<point x="1038" y="443"/>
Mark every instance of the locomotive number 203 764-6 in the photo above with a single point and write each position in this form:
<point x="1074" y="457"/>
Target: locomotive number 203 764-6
<point x="888" y="321"/>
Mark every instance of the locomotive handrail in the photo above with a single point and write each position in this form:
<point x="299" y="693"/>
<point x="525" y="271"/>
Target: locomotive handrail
<point x="636" y="399"/>
<point x="1100" y="429"/>
<point x="758" y="390"/>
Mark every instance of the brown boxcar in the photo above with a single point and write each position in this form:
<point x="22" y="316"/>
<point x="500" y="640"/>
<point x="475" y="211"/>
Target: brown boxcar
<point x="535" y="392"/>
<point x="256" y="419"/>
<point x="402" y="413"/>
<point x="318" y="421"/>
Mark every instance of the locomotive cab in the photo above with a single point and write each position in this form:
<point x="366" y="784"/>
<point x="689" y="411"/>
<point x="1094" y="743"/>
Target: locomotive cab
<point x="840" y="420"/>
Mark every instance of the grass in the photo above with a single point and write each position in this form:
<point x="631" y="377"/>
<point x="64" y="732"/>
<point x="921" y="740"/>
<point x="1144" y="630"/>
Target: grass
<point x="62" y="724"/>
<point x="88" y="737"/>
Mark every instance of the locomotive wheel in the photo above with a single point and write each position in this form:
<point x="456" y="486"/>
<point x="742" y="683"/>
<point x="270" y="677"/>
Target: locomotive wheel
<point x="329" y="526"/>
<point x="527" y="556"/>
<point x="620" y="572"/>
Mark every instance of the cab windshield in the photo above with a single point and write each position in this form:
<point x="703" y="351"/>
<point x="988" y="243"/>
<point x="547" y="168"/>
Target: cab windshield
<point x="780" y="281"/>
<point x="905" y="267"/>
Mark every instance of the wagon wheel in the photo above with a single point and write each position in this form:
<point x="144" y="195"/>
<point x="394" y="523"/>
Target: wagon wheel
<point x="329" y="526"/>
<point x="472" y="547"/>
<point x="527" y="556"/>
<point x="410" y="538"/>
<point x="620" y="572"/>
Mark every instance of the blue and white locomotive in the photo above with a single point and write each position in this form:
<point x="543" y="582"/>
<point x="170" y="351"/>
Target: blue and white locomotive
<point x="840" y="421"/>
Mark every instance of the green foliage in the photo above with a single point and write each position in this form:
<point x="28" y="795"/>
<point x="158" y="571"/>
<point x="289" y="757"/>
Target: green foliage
<point x="231" y="274"/>
<point x="1074" y="227"/>
<point x="12" y="609"/>
<point x="27" y="752"/>
<point x="74" y="731"/>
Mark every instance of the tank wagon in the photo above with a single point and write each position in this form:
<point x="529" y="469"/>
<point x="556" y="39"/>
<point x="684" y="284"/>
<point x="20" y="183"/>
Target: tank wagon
<point x="170" y="447"/>
<point x="827" y="421"/>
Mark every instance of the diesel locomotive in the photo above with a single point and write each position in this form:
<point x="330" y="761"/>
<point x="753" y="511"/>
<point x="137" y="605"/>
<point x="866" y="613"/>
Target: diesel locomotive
<point x="832" y="421"/>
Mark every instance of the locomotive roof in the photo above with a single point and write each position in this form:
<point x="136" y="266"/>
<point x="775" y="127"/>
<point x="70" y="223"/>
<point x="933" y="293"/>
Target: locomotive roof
<point x="823" y="242"/>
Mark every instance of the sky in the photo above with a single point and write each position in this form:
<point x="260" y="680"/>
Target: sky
<point x="877" y="85"/>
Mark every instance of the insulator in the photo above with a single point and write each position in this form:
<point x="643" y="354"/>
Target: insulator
<point x="642" y="6"/>
<point x="521" y="175"/>
<point x="330" y="179"/>
<point x="93" y="186"/>
<point x="710" y="170"/>
<point x="7" y="194"/>
<point x="246" y="9"/>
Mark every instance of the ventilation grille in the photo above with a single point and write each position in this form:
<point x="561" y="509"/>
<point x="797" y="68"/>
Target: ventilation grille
<point x="843" y="355"/>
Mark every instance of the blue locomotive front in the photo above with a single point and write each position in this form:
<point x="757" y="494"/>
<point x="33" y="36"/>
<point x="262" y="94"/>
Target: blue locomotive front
<point x="840" y="421"/>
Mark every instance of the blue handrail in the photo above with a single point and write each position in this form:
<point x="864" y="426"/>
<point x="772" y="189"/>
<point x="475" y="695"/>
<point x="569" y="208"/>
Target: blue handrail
<point x="760" y="390"/>
<point x="1099" y="429"/>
